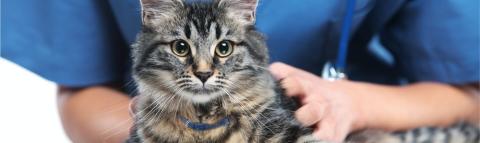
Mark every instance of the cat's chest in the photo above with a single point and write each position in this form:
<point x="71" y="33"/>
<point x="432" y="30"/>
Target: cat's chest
<point x="177" y="131"/>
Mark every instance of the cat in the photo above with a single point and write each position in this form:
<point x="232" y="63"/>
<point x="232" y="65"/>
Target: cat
<point x="201" y="76"/>
<point x="200" y="70"/>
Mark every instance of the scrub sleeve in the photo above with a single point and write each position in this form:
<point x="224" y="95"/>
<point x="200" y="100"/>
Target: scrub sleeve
<point x="436" y="41"/>
<point x="73" y="43"/>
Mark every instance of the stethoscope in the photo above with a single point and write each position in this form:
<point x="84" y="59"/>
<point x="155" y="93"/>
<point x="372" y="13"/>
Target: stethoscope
<point x="335" y="71"/>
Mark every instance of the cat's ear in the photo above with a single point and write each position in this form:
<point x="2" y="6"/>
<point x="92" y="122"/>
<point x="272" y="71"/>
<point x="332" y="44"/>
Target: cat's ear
<point x="243" y="10"/>
<point x="156" y="11"/>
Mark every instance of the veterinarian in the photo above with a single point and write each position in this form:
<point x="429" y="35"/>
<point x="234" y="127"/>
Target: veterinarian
<point x="409" y="63"/>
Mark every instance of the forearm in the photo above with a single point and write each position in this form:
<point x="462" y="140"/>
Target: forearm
<point x="95" y="114"/>
<point x="422" y="104"/>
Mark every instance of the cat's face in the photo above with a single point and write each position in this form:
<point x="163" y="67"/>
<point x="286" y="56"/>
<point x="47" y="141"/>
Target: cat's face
<point x="200" y="50"/>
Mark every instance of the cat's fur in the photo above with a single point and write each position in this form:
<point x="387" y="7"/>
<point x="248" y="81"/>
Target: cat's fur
<point x="240" y="89"/>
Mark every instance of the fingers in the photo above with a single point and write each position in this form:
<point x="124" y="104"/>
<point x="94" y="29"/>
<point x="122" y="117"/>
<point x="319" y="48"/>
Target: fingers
<point x="332" y="129"/>
<point x="313" y="112"/>
<point x="293" y="87"/>
<point x="281" y="70"/>
<point x="310" y="113"/>
<point x="326" y="130"/>
<point x="342" y="131"/>
<point x="296" y="81"/>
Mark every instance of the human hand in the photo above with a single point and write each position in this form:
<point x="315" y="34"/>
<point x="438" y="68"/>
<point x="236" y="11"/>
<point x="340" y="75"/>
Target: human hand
<point x="332" y="108"/>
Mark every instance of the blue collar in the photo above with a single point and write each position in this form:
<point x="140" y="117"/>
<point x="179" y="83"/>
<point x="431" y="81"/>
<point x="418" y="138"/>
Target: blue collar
<point x="197" y="126"/>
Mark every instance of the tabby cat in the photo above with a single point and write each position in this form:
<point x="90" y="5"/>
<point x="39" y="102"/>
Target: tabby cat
<point x="200" y="68"/>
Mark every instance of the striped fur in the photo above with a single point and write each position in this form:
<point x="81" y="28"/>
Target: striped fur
<point x="459" y="133"/>
<point x="240" y="88"/>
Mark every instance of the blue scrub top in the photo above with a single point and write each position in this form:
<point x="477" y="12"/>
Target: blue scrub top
<point x="82" y="43"/>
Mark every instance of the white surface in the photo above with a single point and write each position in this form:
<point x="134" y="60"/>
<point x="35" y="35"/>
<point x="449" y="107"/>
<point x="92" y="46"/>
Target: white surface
<point x="28" y="107"/>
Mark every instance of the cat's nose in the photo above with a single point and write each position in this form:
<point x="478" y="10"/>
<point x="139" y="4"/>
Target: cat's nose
<point x="202" y="75"/>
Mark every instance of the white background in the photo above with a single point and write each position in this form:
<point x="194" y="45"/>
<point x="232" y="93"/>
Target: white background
<point x="28" y="109"/>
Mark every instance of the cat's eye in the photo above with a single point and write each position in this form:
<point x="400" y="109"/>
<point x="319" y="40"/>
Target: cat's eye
<point x="180" y="48"/>
<point x="224" y="48"/>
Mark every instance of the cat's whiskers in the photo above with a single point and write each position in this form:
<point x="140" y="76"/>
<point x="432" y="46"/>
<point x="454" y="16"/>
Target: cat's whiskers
<point x="162" y="108"/>
<point x="173" y="99"/>
<point x="177" y="109"/>
<point x="177" y="104"/>
<point x="156" y="99"/>
<point x="127" y="120"/>
<point x="141" y="118"/>
<point x="165" y="102"/>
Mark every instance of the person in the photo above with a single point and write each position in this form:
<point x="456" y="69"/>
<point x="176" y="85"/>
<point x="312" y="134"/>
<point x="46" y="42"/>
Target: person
<point x="410" y="63"/>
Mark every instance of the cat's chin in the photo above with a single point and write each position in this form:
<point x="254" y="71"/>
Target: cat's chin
<point x="201" y="97"/>
<point x="201" y="94"/>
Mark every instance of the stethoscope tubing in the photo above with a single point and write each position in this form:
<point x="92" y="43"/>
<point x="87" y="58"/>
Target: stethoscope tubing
<point x="336" y="71"/>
